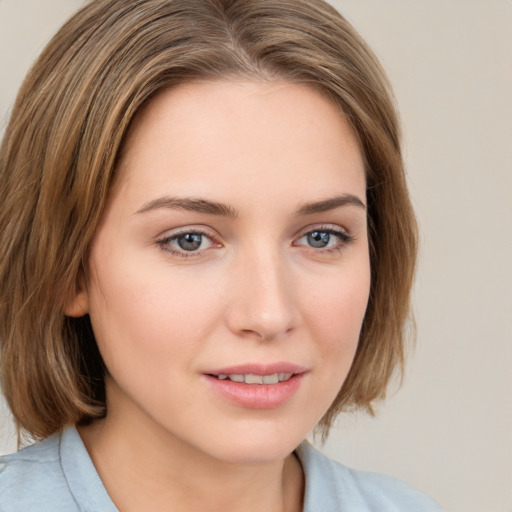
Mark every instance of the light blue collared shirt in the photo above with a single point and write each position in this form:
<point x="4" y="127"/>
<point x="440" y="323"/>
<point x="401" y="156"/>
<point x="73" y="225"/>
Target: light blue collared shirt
<point x="57" y="475"/>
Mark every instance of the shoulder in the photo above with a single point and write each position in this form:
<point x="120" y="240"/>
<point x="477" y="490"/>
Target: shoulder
<point x="333" y="486"/>
<point x="32" y="479"/>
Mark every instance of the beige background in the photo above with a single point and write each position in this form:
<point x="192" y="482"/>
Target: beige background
<point x="448" y="431"/>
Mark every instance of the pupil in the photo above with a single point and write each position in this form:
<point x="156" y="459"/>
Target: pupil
<point x="190" y="241"/>
<point x="318" y="239"/>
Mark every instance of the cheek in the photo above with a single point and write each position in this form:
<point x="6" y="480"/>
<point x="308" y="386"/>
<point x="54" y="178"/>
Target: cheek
<point x="146" y="315"/>
<point x="335" y="315"/>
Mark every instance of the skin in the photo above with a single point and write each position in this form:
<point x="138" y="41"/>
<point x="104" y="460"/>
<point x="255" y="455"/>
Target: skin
<point x="254" y="291"/>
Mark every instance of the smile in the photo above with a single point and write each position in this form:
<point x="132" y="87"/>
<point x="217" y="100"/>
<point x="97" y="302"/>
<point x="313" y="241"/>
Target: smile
<point x="257" y="386"/>
<point x="251" y="378"/>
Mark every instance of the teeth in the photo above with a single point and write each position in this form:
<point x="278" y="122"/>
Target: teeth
<point x="271" y="379"/>
<point x="251" y="378"/>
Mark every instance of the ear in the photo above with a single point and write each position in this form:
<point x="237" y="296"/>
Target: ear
<point x="78" y="303"/>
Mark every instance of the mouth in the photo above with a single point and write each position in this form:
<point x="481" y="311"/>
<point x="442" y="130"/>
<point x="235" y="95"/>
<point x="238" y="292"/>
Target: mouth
<point x="252" y="378"/>
<point x="256" y="386"/>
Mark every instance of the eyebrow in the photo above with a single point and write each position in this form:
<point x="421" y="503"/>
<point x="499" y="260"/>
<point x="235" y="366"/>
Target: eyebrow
<point x="330" y="204"/>
<point x="215" y="208"/>
<point x="189" y="204"/>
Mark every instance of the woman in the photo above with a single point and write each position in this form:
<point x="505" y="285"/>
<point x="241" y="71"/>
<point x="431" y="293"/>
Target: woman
<point x="208" y="249"/>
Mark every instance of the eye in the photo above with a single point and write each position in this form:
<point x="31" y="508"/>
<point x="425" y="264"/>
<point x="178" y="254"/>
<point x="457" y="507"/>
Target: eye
<point x="186" y="243"/>
<point x="190" y="241"/>
<point x="325" y="239"/>
<point x="318" y="239"/>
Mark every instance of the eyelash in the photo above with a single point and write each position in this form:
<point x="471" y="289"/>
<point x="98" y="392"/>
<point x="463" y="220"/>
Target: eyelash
<point x="165" y="243"/>
<point x="344" y="239"/>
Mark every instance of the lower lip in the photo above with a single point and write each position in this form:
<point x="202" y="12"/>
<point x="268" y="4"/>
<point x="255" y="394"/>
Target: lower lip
<point x="256" y="396"/>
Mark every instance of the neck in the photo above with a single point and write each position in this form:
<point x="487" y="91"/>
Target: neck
<point x="174" y="472"/>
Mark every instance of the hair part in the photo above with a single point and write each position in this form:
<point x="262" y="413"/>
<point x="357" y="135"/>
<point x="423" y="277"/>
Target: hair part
<point x="59" y="157"/>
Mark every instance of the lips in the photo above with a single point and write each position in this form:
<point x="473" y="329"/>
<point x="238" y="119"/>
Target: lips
<point x="251" y="378"/>
<point x="259" y="369"/>
<point x="257" y="386"/>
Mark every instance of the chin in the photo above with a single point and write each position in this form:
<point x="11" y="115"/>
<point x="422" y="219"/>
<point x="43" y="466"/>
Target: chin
<point x="256" y="444"/>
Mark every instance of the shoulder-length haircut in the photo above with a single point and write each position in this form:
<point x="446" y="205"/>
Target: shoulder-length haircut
<point x="58" y="161"/>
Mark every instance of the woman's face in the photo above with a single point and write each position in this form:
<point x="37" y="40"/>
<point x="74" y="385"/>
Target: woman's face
<point x="233" y="248"/>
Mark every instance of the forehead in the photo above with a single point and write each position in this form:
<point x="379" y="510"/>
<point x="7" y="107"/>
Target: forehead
<point x="219" y="135"/>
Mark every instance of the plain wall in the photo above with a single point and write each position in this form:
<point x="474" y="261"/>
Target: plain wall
<point x="448" y="430"/>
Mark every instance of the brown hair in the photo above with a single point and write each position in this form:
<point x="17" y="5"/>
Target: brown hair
<point x="59" y="154"/>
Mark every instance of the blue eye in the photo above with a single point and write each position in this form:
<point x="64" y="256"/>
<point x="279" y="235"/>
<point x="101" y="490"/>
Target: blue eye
<point x="185" y="243"/>
<point x="318" y="239"/>
<point x="326" y="239"/>
<point x="190" y="241"/>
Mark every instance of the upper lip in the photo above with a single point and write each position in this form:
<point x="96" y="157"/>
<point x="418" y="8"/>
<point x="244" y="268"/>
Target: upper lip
<point x="259" y="369"/>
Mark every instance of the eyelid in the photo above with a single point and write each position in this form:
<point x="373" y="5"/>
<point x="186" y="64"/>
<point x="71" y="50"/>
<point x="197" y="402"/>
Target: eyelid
<point x="163" y="241"/>
<point x="342" y="233"/>
<point x="330" y="228"/>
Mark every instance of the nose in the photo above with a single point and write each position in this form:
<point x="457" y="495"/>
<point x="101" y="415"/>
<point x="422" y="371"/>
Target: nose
<point x="262" y="304"/>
